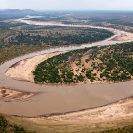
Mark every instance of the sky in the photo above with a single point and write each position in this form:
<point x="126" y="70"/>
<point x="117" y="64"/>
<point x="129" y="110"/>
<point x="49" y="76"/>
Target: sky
<point x="67" y="4"/>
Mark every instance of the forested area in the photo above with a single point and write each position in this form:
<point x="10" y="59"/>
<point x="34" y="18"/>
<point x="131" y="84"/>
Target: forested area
<point x="60" y="36"/>
<point x="104" y="64"/>
<point x="18" y="41"/>
<point x="117" y="62"/>
<point x="54" y="70"/>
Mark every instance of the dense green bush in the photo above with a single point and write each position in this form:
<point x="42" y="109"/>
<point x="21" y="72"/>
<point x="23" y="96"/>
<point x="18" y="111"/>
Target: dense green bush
<point x="76" y="36"/>
<point x="117" y="62"/>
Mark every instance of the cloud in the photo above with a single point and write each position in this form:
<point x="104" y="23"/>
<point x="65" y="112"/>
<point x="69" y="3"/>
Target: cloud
<point x="68" y="4"/>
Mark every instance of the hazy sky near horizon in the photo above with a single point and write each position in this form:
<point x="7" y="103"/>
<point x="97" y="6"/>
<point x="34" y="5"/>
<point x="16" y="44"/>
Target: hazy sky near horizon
<point x="67" y="4"/>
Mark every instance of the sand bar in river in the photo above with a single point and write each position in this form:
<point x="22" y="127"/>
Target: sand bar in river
<point x="23" y="70"/>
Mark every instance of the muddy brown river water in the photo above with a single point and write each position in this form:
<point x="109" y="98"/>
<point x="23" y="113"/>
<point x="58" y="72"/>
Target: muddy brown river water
<point x="62" y="98"/>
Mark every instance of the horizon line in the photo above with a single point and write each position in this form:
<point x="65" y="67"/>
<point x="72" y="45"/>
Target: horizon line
<point x="61" y="9"/>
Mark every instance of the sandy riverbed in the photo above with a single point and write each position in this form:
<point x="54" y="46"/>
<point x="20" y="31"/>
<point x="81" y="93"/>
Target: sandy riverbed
<point x="23" y="69"/>
<point x="119" y="111"/>
<point x="14" y="94"/>
<point x="123" y="37"/>
<point x="46" y="23"/>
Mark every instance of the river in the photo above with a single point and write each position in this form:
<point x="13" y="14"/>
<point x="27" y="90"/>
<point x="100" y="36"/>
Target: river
<point x="62" y="98"/>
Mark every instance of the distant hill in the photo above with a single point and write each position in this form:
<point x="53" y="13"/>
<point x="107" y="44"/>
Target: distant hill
<point x="15" y="13"/>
